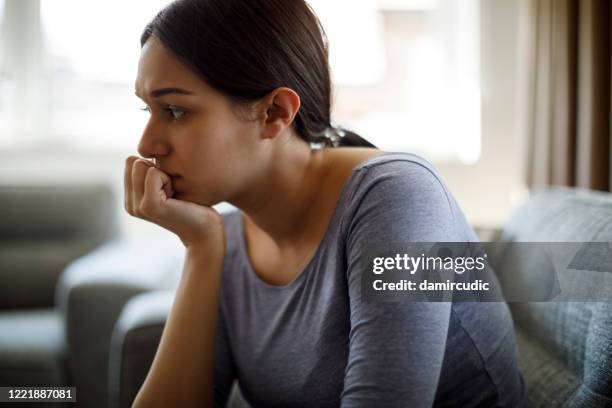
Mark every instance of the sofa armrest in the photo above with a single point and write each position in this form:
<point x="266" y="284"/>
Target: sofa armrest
<point x="91" y="293"/>
<point x="134" y="344"/>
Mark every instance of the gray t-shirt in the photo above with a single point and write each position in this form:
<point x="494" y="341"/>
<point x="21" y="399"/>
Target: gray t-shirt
<point x="314" y="343"/>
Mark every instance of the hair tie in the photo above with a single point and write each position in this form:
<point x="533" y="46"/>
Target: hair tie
<point x="330" y="137"/>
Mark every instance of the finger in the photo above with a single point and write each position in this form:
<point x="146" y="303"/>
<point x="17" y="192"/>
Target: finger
<point x="139" y="171"/>
<point x="155" y="185"/>
<point x="127" y="184"/>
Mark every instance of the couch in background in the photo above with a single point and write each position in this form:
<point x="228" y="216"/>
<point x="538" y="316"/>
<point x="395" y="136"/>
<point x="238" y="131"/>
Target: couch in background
<point x="92" y="293"/>
<point x="565" y="348"/>
<point x="42" y="229"/>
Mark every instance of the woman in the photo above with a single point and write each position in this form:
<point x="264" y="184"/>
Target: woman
<point x="239" y="97"/>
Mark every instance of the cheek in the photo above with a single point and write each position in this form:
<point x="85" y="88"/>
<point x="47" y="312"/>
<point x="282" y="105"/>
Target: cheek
<point x="209" y="152"/>
<point x="218" y="149"/>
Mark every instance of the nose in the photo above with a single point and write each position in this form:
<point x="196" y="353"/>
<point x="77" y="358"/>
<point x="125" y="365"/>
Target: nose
<point x="152" y="144"/>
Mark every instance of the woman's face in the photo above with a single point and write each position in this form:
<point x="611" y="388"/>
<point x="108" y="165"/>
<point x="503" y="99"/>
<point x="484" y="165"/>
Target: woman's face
<point x="193" y="132"/>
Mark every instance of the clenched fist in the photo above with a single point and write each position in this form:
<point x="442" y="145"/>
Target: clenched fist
<point x="148" y="195"/>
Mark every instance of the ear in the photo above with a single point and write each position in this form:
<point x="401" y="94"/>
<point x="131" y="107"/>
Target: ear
<point x="279" y="109"/>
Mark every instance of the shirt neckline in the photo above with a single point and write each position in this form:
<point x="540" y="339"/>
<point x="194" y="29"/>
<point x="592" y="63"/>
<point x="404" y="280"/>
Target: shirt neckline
<point x="332" y="221"/>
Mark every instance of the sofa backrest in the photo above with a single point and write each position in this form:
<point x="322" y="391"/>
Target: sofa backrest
<point x="43" y="228"/>
<point x="565" y="348"/>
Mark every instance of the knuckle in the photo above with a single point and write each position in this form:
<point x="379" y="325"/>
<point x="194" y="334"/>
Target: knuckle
<point x="139" y="164"/>
<point x="148" y="174"/>
<point x="130" y="160"/>
<point x="142" y="168"/>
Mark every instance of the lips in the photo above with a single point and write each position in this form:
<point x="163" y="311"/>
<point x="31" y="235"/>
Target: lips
<point x="172" y="186"/>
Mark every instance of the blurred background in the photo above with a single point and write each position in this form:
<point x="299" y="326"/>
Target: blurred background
<point x="440" y="78"/>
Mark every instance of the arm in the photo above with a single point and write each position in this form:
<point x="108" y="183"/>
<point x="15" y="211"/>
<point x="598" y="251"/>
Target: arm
<point x="396" y="350"/>
<point x="135" y="340"/>
<point x="182" y="370"/>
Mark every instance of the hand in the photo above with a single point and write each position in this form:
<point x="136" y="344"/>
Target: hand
<point x="148" y="195"/>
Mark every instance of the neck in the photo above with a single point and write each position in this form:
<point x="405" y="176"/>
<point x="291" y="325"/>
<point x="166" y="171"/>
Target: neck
<point x="279" y="202"/>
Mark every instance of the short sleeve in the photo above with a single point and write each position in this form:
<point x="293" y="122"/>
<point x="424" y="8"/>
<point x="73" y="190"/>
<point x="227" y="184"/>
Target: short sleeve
<point x="396" y="350"/>
<point x="225" y="369"/>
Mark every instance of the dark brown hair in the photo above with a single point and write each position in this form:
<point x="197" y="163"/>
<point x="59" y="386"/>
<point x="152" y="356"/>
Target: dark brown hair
<point x="247" y="48"/>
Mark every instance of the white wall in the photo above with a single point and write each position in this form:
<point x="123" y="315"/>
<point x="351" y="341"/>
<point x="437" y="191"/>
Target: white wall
<point x="489" y="190"/>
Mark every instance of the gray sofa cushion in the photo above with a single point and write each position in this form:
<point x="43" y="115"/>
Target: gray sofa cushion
<point x="562" y="215"/>
<point x="565" y="347"/>
<point x="43" y="228"/>
<point x="29" y="270"/>
<point x="51" y="211"/>
<point x="32" y="348"/>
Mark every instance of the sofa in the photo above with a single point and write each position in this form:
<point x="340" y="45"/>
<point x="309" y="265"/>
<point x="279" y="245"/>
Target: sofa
<point x="42" y="229"/>
<point x="565" y="348"/>
<point x="93" y="292"/>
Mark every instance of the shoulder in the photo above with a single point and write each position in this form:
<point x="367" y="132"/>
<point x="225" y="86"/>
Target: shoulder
<point x="406" y="177"/>
<point x="392" y="172"/>
<point x="402" y="196"/>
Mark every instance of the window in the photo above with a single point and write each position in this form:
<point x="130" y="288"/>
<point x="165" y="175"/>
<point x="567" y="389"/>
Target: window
<point x="93" y="61"/>
<point x="406" y="73"/>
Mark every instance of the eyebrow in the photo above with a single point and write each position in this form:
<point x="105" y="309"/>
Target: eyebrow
<point x="165" y="91"/>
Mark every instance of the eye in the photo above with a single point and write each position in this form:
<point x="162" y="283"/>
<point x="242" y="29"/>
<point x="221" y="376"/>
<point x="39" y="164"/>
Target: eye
<point x="146" y="109"/>
<point x="175" y="112"/>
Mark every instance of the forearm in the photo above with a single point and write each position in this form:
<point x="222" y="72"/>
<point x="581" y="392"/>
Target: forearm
<point x="182" y="370"/>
